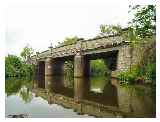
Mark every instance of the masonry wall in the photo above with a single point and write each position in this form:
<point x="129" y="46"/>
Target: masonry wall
<point x="123" y="60"/>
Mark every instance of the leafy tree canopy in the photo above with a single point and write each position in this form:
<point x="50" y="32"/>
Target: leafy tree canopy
<point x="26" y="52"/>
<point x="110" y="29"/>
<point x="68" y="41"/>
<point x="14" y="67"/>
<point x="144" y="21"/>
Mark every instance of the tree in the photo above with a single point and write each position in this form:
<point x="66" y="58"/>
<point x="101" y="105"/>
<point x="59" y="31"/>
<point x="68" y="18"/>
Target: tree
<point x="27" y="52"/>
<point x="110" y="29"/>
<point x="142" y="28"/>
<point x="144" y="21"/>
<point x="13" y="65"/>
<point x="98" y="67"/>
<point x="68" y="41"/>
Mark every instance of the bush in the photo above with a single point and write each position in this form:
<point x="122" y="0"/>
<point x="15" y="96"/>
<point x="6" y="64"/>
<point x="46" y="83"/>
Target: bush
<point x="14" y="67"/>
<point x="151" y="71"/>
<point x="130" y="76"/>
<point x="139" y="74"/>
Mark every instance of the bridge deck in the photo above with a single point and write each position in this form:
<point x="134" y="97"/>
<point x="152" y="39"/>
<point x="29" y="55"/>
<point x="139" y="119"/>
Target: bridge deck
<point x="90" y="46"/>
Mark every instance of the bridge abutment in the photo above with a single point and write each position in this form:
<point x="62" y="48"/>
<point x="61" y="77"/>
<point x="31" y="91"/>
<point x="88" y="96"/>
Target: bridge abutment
<point x="124" y="58"/>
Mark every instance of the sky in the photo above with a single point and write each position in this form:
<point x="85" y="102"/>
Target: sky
<point x="39" y="26"/>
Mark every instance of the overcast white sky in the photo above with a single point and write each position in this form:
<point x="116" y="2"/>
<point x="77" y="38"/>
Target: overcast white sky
<point x="38" y="26"/>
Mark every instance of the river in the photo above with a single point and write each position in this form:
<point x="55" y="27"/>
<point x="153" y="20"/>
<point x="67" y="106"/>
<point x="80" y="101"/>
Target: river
<point x="34" y="98"/>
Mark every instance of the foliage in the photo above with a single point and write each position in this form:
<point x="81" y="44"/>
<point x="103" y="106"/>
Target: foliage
<point x="68" y="41"/>
<point x="25" y="94"/>
<point x="21" y="86"/>
<point x="12" y="87"/>
<point x="98" y="67"/>
<point x="129" y="76"/>
<point x="149" y="64"/>
<point x="141" y="29"/>
<point x="143" y="24"/>
<point x="151" y="71"/>
<point x="27" y="52"/>
<point x="98" y="83"/>
<point x="27" y="70"/>
<point x="144" y="21"/>
<point x="69" y="66"/>
<point x="110" y="29"/>
<point x="14" y="67"/>
<point x="145" y="70"/>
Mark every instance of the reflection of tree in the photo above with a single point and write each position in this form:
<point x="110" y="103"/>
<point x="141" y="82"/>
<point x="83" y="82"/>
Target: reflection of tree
<point x="68" y="74"/>
<point x="25" y="94"/>
<point x="12" y="87"/>
<point x="98" y="83"/>
<point x="68" y="81"/>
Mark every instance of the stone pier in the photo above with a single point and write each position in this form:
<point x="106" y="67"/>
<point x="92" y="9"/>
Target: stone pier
<point x="78" y="65"/>
<point x="49" y="67"/>
<point x="54" y="67"/>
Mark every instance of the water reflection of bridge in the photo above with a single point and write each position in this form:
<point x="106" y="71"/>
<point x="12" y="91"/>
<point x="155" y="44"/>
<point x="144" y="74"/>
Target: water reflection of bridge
<point x="57" y="92"/>
<point x="81" y="89"/>
<point x="113" y="101"/>
<point x="114" y="50"/>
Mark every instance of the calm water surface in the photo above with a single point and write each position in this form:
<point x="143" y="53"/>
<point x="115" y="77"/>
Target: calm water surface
<point x="20" y="98"/>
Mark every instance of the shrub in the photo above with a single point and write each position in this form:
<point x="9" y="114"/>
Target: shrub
<point x="129" y="76"/>
<point x="15" y="67"/>
<point x="151" y="71"/>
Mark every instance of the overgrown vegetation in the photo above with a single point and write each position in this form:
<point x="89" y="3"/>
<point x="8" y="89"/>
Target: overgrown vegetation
<point x="68" y="41"/>
<point x="142" y="32"/>
<point x="69" y="73"/>
<point x="110" y="30"/>
<point x="26" y="52"/>
<point x="17" y="67"/>
<point x="144" y="21"/>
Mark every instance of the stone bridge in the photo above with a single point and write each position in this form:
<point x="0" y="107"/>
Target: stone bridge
<point x="113" y="49"/>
